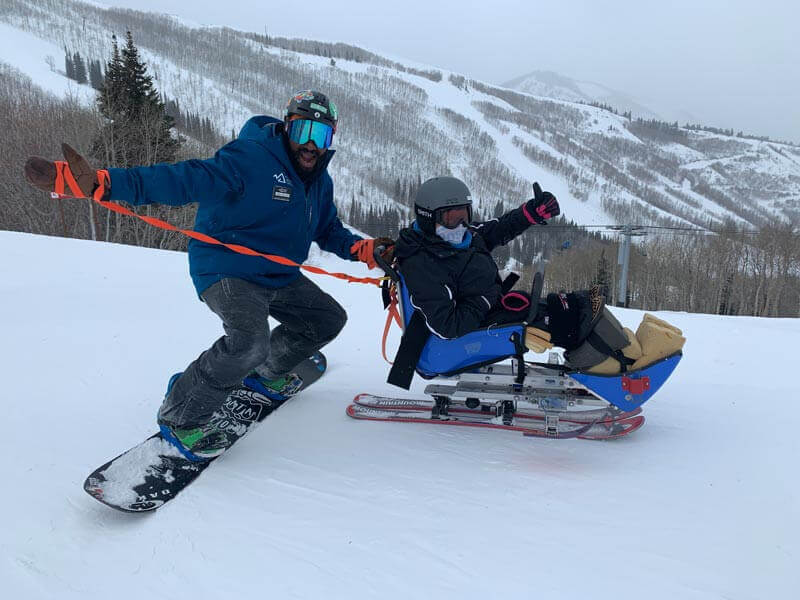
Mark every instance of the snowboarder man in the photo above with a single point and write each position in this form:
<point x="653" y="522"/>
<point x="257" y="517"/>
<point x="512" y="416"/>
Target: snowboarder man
<point x="268" y="190"/>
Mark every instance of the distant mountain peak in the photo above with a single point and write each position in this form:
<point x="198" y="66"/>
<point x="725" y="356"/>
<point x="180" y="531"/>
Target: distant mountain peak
<point x="555" y="85"/>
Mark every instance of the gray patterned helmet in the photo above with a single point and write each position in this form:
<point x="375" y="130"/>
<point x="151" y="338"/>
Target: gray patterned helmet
<point x="436" y="197"/>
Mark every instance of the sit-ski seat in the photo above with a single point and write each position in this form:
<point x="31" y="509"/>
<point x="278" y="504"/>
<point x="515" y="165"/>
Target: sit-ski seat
<point x="446" y="357"/>
<point x="443" y="357"/>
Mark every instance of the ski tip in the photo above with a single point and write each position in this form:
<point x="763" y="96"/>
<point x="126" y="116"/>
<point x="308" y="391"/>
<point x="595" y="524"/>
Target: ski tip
<point x="617" y="429"/>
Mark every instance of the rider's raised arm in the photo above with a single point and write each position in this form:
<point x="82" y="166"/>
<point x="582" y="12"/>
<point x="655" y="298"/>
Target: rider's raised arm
<point x="536" y="211"/>
<point x="500" y="231"/>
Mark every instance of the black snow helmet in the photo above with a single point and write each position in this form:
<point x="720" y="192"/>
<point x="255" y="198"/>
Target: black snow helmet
<point x="438" y="194"/>
<point x="316" y="106"/>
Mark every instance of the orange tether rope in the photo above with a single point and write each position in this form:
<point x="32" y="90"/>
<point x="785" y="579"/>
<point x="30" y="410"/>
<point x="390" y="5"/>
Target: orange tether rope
<point x="64" y="175"/>
<point x="392" y="313"/>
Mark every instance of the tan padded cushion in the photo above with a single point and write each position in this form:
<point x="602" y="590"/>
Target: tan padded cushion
<point x="648" y="318"/>
<point x="658" y="339"/>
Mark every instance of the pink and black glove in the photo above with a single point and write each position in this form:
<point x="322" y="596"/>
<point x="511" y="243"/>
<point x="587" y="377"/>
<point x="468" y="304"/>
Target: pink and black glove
<point x="541" y="207"/>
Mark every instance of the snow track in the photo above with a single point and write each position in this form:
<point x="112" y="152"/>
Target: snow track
<point x="701" y="503"/>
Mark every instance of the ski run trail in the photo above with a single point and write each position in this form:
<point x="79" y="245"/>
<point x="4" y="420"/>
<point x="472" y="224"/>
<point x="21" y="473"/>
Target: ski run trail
<point x="702" y="502"/>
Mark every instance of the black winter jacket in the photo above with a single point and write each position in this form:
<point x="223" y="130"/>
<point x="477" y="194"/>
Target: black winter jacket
<point x="455" y="288"/>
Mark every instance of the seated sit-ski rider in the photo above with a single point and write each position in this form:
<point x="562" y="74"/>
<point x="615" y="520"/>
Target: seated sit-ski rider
<point x="455" y="287"/>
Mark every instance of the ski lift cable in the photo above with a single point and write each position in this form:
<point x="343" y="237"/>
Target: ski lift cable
<point x="665" y="228"/>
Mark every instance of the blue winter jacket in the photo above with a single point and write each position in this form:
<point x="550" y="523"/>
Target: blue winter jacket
<point x="247" y="194"/>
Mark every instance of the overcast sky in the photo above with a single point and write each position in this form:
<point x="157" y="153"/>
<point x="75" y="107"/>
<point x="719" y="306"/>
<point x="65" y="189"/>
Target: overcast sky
<point x="730" y="63"/>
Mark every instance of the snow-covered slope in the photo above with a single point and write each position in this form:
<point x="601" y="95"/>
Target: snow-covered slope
<point x="402" y="122"/>
<point x="30" y="55"/>
<point x="702" y="503"/>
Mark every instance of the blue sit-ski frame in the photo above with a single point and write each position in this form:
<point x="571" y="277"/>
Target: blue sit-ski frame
<point x="632" y="389"/>
<point x="442" y="357"/>
<point x="446" y="357"/>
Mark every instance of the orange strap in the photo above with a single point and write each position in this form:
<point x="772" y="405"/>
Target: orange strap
<point x="363" y="250"/>
<point x="393" y="313"/>
<point x="64" y="174"/>
<point x="103" y="184"/>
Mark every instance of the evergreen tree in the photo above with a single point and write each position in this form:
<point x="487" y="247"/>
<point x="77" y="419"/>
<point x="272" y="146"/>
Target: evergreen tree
<point x="138" y="129"/>
<point x="79" y="68"/>
<point x="69" y="66"/>
<point x="96" y="75"/>
<point x="173" y="109"/>
<point x="137" y="84"/>
<point x="110" y="100"/>
<point x="603" y="277"/>
<point x="725" y="295"/>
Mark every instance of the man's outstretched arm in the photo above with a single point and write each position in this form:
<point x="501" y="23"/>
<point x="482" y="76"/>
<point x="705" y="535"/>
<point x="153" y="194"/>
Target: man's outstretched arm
<point x="210" y="180"/>
<point x="175" y="184"/>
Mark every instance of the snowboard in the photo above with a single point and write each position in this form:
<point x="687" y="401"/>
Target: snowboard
<point x="153" y="472"/>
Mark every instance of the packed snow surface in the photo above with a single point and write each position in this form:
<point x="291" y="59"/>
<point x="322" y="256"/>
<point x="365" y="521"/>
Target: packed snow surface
<point x="701" y="503"/>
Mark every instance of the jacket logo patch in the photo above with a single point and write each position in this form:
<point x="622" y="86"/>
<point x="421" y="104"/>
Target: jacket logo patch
<point x="281" y="178"/>
<point x="284" y="194"/>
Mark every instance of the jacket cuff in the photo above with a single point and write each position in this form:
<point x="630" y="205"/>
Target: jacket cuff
<point x="528" y="215"/>
<point x="120" y="188"/>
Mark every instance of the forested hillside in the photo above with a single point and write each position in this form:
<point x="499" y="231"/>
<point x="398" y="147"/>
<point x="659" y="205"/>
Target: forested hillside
<point x="401" y="123"/>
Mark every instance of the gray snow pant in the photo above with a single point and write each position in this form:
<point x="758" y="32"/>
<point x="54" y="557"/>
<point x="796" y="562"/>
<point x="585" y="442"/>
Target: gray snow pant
<point x="309" y="319"/>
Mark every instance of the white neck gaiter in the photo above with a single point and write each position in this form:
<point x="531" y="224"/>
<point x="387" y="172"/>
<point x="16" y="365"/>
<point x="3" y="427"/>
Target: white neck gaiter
<point x="453" y="236"/>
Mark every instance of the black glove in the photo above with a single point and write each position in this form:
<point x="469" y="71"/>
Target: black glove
<point x="388" y="248"/>
<point x="541" y="207"/>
